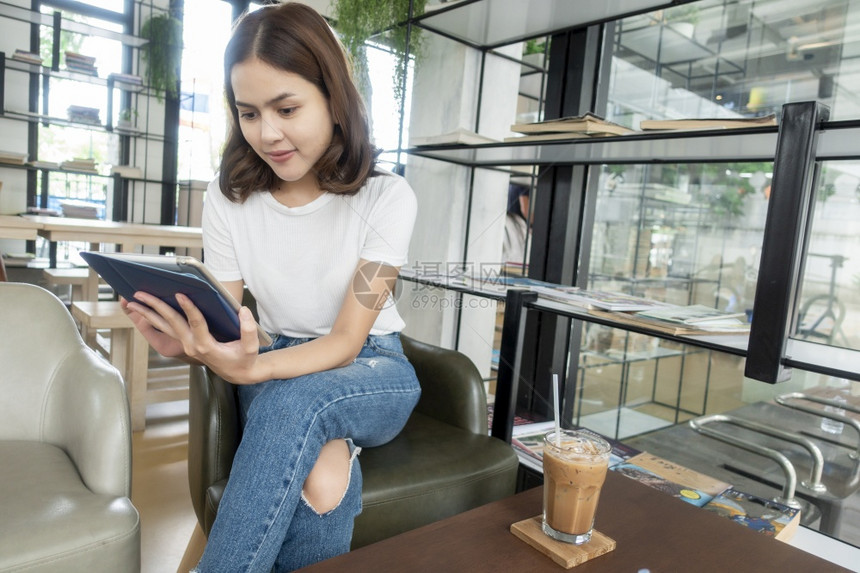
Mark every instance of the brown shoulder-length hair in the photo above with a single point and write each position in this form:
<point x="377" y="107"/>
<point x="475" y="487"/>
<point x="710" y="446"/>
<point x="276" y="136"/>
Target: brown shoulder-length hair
<point x="295" y="38"/>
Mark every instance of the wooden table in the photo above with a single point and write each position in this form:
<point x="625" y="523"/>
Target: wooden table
<point x="14" y="227"/>
<point x="127" y="235"/>
<point x="653" y="531"/>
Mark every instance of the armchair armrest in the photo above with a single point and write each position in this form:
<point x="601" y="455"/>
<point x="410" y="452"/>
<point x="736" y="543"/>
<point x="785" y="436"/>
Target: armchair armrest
<point x="213" y="436"/>
<point x="86" y="413"/>
<point x="452" y="390"/>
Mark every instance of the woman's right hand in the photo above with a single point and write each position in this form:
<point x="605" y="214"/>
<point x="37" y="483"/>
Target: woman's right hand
<point x="162" y="342"/>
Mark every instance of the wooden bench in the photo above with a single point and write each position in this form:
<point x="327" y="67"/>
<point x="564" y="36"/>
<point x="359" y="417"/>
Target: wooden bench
<point x="128" y="351"/>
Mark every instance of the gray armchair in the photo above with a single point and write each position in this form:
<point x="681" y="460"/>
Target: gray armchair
<point x="65" y="445"/>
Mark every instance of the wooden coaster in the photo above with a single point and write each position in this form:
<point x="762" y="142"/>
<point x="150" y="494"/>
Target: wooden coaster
<point x="565" y="554"/>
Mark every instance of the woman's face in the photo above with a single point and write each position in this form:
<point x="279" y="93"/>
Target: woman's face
<point x="284" y="118"/>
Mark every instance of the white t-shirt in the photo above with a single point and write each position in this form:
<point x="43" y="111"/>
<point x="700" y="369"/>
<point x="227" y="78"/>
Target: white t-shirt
<point x="298" y="262"/>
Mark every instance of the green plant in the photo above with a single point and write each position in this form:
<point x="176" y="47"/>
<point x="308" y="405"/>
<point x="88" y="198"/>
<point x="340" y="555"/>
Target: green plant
<point x="534" y="46"/>
<point x="357" y="21"/>
<point x="128" y="114"/>
<point x="727" y="190"/>
<point x="683" y="13"/>
<point x="162" y="53"/>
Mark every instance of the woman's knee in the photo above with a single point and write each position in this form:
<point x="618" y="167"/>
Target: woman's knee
<point x="326" y="485"/>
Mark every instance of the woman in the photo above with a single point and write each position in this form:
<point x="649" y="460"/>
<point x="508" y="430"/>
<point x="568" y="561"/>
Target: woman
<point x="301" y="217"/>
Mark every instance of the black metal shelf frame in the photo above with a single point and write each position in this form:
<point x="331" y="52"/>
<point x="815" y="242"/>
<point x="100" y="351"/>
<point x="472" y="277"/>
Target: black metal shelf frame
<point x="802" y="139"/>
<point x="56" y="21"/>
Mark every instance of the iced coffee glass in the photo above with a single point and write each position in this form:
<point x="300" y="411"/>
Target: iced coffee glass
<point x="574" y="467"/>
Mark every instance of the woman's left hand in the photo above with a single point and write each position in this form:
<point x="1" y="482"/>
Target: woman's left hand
<point x="236" y="361"/>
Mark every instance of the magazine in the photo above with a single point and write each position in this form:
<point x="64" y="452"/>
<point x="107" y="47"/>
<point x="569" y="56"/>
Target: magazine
<point x="693" y="314"/>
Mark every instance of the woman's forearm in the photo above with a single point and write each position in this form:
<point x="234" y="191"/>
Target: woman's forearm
<point x="333" y="350"/>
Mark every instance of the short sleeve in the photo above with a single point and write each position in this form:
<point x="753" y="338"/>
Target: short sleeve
<point x="390" y="222"/>
<point x="219" y="254"/>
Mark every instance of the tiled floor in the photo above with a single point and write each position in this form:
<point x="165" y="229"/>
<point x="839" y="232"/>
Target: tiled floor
<point x="160" y="487"/>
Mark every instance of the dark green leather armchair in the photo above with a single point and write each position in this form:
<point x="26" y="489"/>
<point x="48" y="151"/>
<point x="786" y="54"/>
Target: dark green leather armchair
<point x="442" y="463"/>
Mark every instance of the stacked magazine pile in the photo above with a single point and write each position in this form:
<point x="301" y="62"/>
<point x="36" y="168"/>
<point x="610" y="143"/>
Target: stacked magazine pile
<point x="691" y="320"/>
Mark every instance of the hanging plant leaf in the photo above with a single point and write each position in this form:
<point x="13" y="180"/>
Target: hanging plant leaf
<point x="357" y="21"/>
<point x="162" y="53"/>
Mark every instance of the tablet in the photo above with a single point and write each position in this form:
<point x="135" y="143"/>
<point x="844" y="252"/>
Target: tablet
<point x="164" y="276"/>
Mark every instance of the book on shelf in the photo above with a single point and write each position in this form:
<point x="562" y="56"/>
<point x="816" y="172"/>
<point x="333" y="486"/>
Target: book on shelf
<point x="43" y="164"/>
<point x="130" y="79"/>
<point x="765" y="516"/>
<point x="127" y="171"/>
<point x="678" y="481"/>
<point x="83" y="164"/>
<point x="537" y="137"/>
<point x="77" y="209"/>
<point x="674" y="328"/>
<point x="459" y="136"/>
<point x="13" y="157"/>
<point x="81" y="63"/>
<point x="83" y="114"/>
<point x="707" y="123"/>
<point x="586" y="124"/>
<point x="27" y="57"/>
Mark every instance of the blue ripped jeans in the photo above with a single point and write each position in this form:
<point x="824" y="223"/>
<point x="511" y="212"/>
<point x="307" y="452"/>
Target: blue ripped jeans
<point x="263" y="522"/>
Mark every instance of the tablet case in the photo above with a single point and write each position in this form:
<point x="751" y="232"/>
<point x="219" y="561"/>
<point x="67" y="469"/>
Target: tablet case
<point x="129" y="277"/>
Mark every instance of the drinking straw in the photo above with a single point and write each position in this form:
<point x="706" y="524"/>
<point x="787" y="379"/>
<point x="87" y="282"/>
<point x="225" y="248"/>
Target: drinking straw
<point x="556" y="410"/>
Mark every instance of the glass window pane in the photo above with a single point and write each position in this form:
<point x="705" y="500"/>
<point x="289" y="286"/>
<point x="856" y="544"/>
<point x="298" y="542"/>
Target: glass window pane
<point x="202" y="115"/>
<point x="683" y="234"/>
<point x="720" y="59"/>
<point x="829" y="305"/>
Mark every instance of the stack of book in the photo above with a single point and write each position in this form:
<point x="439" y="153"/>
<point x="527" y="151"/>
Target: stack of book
<point x="13" y="157"/>
<point x="27" y="57"/>
<point x="129" y="79"/>
<point x="80" y="209"/>
<point x="81" y="64"/>
<point x="84" y="164"/>
<point x="82" y="114"/>
<point x="587" y="125"/>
